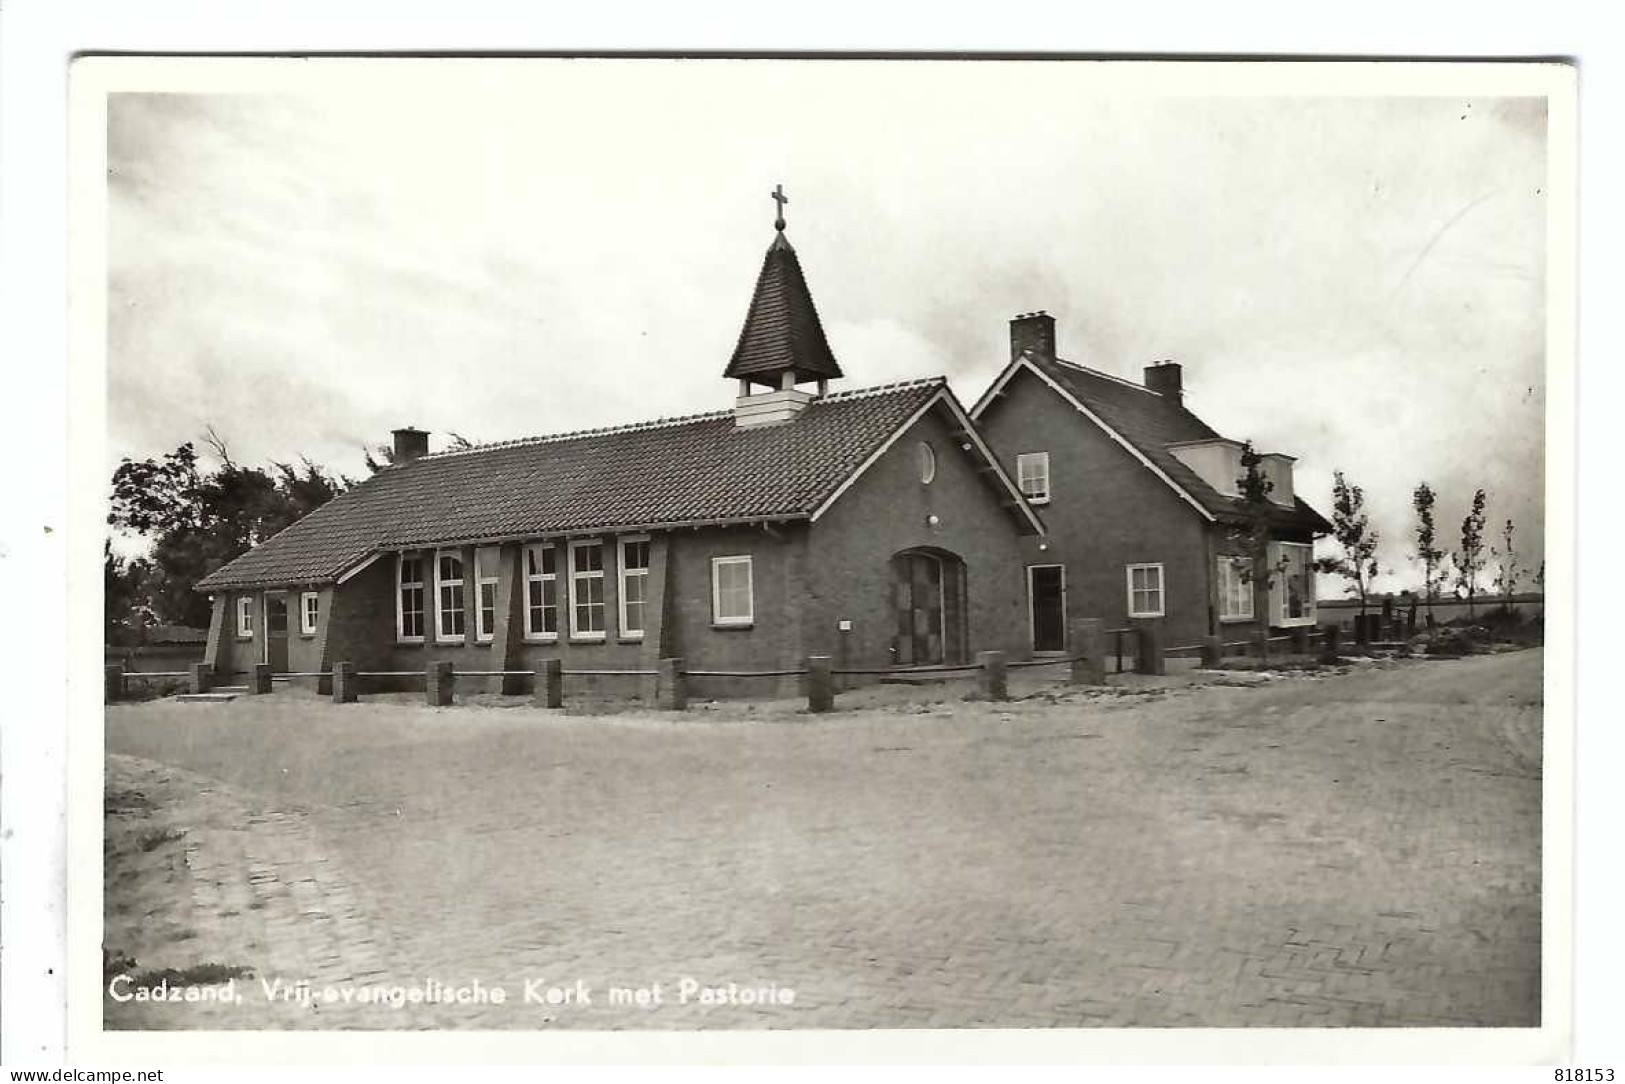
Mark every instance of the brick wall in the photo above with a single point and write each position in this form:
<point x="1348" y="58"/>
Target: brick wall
<point x="773" y="641"/>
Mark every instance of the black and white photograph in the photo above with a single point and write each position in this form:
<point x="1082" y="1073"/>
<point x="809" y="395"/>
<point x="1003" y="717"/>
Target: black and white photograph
<point x="857" y="545"/>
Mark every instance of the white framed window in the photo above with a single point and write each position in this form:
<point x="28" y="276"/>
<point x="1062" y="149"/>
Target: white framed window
<point x="451" y="623"/>
<point x="542" y="592"/>
<point x="1292" y="594"/>
<point x="587" y="590"/>
<point x="634" y="598"/>
<point x="245" y="618"/>
<point x="732" y="597"/>
<point x="409" y="598"/>
<point x="310" y="612"/>
<point x="1032" y="475"/>
<point x="1145" y="591"/>
<point x="1235" y="589"/>
<point x="487" y="560"/>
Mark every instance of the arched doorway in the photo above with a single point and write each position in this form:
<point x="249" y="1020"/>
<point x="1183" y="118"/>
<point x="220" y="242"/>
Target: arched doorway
<point x="928" y="598"/>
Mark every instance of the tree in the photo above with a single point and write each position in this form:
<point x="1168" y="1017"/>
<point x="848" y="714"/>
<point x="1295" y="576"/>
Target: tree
<point x="1507" y="570"/>
<point x="378" y="457"/>
<point x="1252" y="533"/>
<point x="1351" y="528"/>
<point x="126" y="615"/>
<point x="1469" y="559"/>
<point x="1427" y="552"/>
<point x="196" y="521"/>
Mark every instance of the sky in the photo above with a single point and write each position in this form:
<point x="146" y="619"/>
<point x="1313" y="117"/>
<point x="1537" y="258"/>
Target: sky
<point x="1355" y="281"/>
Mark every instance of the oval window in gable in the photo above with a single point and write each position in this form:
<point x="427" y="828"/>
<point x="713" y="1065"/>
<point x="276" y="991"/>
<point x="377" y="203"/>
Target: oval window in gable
<point x="928" y="462"/>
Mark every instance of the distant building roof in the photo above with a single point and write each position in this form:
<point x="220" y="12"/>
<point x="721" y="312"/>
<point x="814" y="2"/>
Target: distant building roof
<point x="697" y="470"/>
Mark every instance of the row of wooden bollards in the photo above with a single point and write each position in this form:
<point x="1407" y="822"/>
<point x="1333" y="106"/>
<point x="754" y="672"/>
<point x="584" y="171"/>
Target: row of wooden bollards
<point x="1087" y="666"/>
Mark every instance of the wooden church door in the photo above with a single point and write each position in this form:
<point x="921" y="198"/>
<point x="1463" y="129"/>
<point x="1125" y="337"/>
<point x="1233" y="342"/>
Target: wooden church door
<point x="917" y="591"/>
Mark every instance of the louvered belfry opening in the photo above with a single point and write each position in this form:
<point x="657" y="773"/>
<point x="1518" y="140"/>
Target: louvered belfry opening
<point x="781" y="345"/>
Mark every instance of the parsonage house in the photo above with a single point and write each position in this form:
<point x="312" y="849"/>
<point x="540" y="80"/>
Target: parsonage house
<point x="884" y="526"/>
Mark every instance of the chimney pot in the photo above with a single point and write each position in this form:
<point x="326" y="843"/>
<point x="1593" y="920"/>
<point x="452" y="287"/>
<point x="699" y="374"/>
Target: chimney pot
<point x="409" y="444"/>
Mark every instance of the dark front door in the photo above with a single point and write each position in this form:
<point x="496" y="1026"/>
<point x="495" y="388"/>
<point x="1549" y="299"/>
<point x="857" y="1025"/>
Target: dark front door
<point x="276" y="633"/>
<point x="1046" y="591"/>
<point x="917" y="590"/>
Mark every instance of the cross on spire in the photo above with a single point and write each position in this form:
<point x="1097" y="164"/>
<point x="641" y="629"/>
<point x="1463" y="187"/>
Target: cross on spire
<point x="781" y="199"/>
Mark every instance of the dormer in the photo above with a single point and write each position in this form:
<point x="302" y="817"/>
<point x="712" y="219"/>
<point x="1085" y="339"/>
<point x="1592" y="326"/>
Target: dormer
<point x="782" y="344"/>
<point x="1216" y="461"/>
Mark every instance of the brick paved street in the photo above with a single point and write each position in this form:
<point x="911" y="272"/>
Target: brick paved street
<point x="1353" y="849"/>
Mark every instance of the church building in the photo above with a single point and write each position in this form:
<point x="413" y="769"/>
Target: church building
<point x="874" y="525"/>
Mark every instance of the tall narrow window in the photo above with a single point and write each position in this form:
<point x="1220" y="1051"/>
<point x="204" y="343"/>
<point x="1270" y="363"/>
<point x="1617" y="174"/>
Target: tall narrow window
<point x="541" y="592"/>
<point x="634" y="586"/>
<point x="927" y="457"/>
<point x="1145" y="591"/>
<point x="310" y="610"/>
<point x="409" y="598"/>
<point x="448" y="582"/>
<point x="245" y="618"/>
<point x="1293" y="593"/>
<point x="731" y="591"/>
<point x="1032" y="474"/>
<point x="1235" y="589"/>
<point x="587" y="590"/>
<point x="276" y="614"/>
<point x="487" y="560"/>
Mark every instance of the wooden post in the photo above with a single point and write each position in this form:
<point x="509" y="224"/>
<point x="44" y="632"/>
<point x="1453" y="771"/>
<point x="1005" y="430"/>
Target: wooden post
<point x="1088" y="652"/>
<point x="1261" y="644"/>
<point x="260" y="683"/>
<point x="439" y="680"/>
<point x="113" y="681"/>
<point x="673" y="685"/>
<point x="1149" y="658"/>
<point x="344" y="679"/>
<point x="550" y="684"/>
<point x="993" y="677"/>
<point x="202" y="673"/>
<point x="1329" y="635"/>
<point x="820" y="684"/>
<point x="1212" y="652"/>
<point x="1300" y="640"/>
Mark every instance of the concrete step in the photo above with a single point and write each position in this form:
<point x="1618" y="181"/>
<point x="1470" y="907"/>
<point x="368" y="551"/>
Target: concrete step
<point x="206" y="698"/>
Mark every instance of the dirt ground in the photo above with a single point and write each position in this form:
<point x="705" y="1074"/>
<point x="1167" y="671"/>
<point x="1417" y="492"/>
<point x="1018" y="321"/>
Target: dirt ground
<point x="1355" y="848"/>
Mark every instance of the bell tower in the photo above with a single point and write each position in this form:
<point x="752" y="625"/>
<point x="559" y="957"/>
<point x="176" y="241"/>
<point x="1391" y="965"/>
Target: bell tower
<point x="782" y="344"/>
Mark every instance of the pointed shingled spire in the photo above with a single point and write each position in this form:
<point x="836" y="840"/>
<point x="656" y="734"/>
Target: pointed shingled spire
<point x="782" y="333"/>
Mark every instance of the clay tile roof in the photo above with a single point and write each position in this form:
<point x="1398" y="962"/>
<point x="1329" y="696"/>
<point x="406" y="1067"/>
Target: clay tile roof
<point x="670" y="472"/>
<point x="782" y="331"/>
<point x="1150" y="422"/>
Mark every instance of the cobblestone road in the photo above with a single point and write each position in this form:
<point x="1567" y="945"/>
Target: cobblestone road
<point x="1357" y="849"/>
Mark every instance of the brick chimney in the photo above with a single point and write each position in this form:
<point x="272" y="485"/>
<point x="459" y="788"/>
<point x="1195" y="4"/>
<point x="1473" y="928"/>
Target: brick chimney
<point x="1166" y="378"/>
<point x="409" y="444"/>
<point x="1034" y="333"/>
